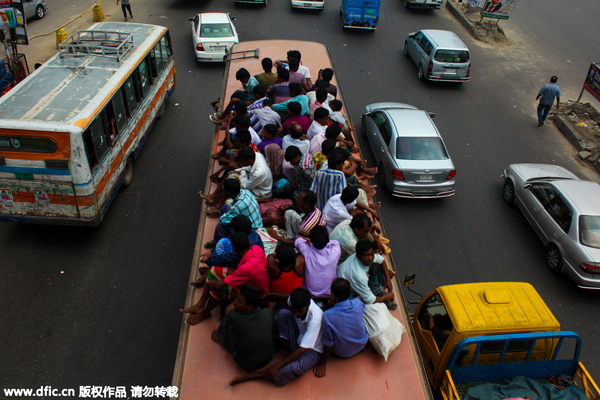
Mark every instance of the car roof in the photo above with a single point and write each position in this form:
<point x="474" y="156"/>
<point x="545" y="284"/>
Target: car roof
<point x="445" y="39"/>
<point x="412" y="123"/>
<point x="212" y="18"/>
<point x="585" y="195"/>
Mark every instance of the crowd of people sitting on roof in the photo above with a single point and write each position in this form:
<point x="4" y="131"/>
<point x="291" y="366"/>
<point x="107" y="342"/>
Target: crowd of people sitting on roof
<point x="297" y="230"/>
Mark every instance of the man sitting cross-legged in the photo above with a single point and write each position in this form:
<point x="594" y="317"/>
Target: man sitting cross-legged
<point x="301" y="331"/>
<point x="344" y="332"/>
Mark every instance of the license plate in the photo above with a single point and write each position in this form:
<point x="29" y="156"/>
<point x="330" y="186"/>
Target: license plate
<point x="425" y="177"/>
<point x="217" y="48"/>
<point x="449" y="70"/>
<point x="307" y="5"/>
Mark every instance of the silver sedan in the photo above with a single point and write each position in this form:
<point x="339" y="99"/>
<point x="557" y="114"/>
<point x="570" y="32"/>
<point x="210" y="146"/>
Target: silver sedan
<point x="565" y="213"/>
<point x="410" y="153"/>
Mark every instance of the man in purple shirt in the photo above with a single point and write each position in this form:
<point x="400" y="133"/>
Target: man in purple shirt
<point x="294" y="111"/>
<point x="320" y="261"/>
<point x="344" y="332"/>
<point x="268" y="137"/>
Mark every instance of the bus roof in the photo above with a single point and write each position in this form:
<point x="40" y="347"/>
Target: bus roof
<point x="496" y="307"/>
<point x="65" y="90"/>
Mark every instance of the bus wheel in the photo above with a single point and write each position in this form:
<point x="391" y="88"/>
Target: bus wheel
<point x="128" y="177"/>
<point x="161" y="110"/>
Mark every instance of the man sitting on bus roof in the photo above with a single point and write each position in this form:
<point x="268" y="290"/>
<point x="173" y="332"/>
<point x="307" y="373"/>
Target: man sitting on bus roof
<point x="305" y="169"/>
<point x="344" y="331"/>
<point x="321" y="256"/>
<point x="329" y="181"/>
<point x="267" y="78"/>
<point x="295" y="115"/>
<point x="302" y="69"/>
<point x="297" y="96"/>
<point x="327" y="75"/>
<point x="299" y="220"/>
<point x="222" y="283"/>
<point x="280" y="92"/>
<point x="260" y="94"/>
<point x="267" y="116"/>
<point x="255" y="174"/>
<point x="349" y="232"/>
<point x="300" y="328"/>
<point x="296" y="76"/>
<point x="246" y="94"/>
<point x="319" y="124"/>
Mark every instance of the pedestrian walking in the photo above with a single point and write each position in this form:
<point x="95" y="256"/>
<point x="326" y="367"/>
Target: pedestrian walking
<point x="126" y="6"/>
<point x="546" y="96"/>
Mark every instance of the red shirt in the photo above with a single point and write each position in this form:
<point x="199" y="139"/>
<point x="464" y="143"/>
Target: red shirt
<point x="252" y="269"/>
<point x="286" y="282"/>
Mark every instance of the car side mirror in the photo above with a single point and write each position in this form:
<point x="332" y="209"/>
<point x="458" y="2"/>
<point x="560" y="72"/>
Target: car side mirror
<point x="431" y="115"/>
<point x="190" y="19"/>
<point x="234" y="18"/>
<point x="409" y="280"/>
<point x="527" y="186"/>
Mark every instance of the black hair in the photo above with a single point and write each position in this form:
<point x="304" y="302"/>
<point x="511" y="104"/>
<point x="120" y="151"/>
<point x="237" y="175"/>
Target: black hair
<point x="327" y="146"/>
<point x="251" y="295"/>
<point x="349" y="194"/>
<point x="363" y="245"/>
<point x="232" y="186"/>
<point x="270" y="129"/>
<point x="321" y="94"/>
<point x="335" y="105"/>
<point x="319" y="237"/>
<point x="296" y="130"/>
<point x="294" y="108"/>
<point x="321" y="113"/>
<point x="554" y="79"/>
<point x="294" y="54"/>
<point x="334" y="159"/>
<point x="294" y="63"/>
<point x="320" y="83"/>
<point x="295" y="89"/>
<point x="333" y="131"/>
<point x="300" y="298"/>
<point x="242" y="223"/>
<point x="327" y="74"/>
<point x="360" y="220"/>
<point x="247" y="153"/>
<point x="267" y="103"/>
<point x="292" y="152"/>
<point x="310" y="198"/>
<point x="242" y="73"/>
<point x="243" y="136"/>
<point x="283" y="74"/>
<point x="241" y="107"/>
<point x="267" y="64"/>
<point x="259" y="91"/>
<point x="340" y="151"/>
<point x="242" y="120"/>
<point x="340" y="288"/>
<point x="240" y="242"/>
<point x="286" y="255"/>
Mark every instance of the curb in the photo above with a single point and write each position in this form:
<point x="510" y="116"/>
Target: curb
<point x="462" y="19"/>
<point x="569" y="133"/>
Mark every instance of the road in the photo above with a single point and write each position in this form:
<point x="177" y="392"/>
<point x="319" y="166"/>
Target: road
<point x="99" y="306"/>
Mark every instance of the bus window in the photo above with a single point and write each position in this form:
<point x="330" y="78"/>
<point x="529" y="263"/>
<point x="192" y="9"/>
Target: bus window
<point x="120" y="111"/>
<point x="99" y="139"/>
<point x="151" y="59"/>
<point x="144" y="81"/>
<point x="130" y="97"/>
<point x="165" y="49"/>
<point x="160" y="63"/>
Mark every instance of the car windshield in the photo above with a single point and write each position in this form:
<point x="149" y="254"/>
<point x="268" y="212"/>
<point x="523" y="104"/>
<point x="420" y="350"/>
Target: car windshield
<point x="589" y="230"/>
<point x="452" y="56"/>
<point x="420" y="148"/>
<point x="215" y="30"/>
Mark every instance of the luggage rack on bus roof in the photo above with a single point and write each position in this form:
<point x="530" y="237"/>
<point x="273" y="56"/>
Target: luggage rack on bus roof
<point x="251" y="53"/>
<point x="109" y="44"/>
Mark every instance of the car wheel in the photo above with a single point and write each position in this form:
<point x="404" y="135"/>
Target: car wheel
<point x="508" y="192"/>
<point x="381" y="176"/>
<point x="265" y="3"/>
<point x="421" y="74"/>
<point x="406" y="48"/>
<point x="39" y="12"/>
<point x="128" y="173"/>
<point x="554" y="259"/>
<point x="161" y="110"/>
<point x="406" y="4"/>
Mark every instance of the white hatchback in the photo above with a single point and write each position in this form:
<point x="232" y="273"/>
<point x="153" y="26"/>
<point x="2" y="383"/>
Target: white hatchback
<point x="213" y="35"/>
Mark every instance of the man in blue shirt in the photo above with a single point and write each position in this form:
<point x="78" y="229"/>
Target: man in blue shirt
<point x="344" y="332"/>
<point x="546" y="96"/>
<point x="296" y="96"/>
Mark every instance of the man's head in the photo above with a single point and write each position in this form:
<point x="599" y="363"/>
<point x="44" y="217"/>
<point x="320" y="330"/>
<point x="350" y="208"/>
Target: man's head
<point x="248" y="298"/>
<point x="300" y="301"/>
<point x="295" y="89"/>
<point x="232" y="187"/>
<point x="294" y="54"/>
<point x="294" y="108"/>
<point x="242" y="75"/>
<point x="321" y="115"/>
<point x="286" y="255"/>
<point x="240" y="243"/>
<point x="241" y="122"/>
<point x="335" y="160"/>
<point x="267" y="64"/>
<point x="293" y="155"/>
<point x="361" y="225"/>
<point x="349" y="194"/>
<point x="307" y="200"/>
<point x="241" y="108"/>
<point x="333" y="131"/>
<point x="296" y="130"/>
<point x="554" y="79"/>
<point x="335" y="105"/>
<point x="259" y="91"/>
<point x="327" y="147"/>
<point x="327" y="75"/>
<point x="269" y="131"/>
<point x="247" y="156"/>
<point x="241" y="223"/>
<point x="321" y="95"/>
<point x="283" y="75"/>
<point x="267" y="103"/>
<point x="365" y="252"/>
<point x="294" y="63"/>
<point x="319" y="237"/>
<point x="243" y="138"/>
<point x="340" y="290"/>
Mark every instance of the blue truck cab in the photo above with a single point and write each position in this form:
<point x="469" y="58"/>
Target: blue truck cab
<point x="360" y="14"/>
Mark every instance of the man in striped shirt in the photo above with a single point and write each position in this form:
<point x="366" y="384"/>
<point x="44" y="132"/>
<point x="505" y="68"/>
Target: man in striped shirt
<point x="329" y="181"/>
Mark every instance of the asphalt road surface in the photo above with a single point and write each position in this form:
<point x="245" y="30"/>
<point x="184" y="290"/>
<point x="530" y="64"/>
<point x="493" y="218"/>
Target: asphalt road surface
<point x="99" y="306"/>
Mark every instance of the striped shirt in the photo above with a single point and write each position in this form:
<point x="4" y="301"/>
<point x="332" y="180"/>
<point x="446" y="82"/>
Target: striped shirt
<point x="305" y="174"/>
<point x="327" y="183"/>
<point x="257" y="104"/>
<point x="245" y="203"/>
<point x="309" y="222"/>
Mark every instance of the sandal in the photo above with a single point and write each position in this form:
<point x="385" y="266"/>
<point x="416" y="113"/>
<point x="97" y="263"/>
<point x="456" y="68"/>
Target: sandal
<point x="215" y="119"/>
<point x="210" y="244"/>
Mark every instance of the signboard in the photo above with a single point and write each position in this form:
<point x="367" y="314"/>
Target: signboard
<point x="592" y="81"/>
<point x="19" y="35"/>
<point x="7" y="15"/>
<point x="476" y="3"/>
<point x="499" y="9"/>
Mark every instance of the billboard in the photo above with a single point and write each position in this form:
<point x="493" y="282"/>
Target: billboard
<point x="7" y="15"/>
<point x="592" y="81"/>
<point x="499" y="9"/>
<point x="476" y="3"/>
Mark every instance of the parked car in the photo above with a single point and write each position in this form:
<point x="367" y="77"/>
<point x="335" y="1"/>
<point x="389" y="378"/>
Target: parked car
<point x="263" y="2"/>
<point x="213" y="35"/>
<point x="430" y="4"/>
<point x="34" y="8"/>
<point x="565" y="213"/>
<point x="439" y="55"/>
<point x="309" y="4"/>
<point x="410" y="153"/>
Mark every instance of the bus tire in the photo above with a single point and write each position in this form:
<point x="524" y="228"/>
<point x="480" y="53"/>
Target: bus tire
<point x="128" y="173"/>
<point x="161" y="110"/>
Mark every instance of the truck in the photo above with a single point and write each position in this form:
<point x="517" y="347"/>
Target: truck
<point x="426" y="4"/>
<point x="474" y="334"/>
<point x="360" y="14"/>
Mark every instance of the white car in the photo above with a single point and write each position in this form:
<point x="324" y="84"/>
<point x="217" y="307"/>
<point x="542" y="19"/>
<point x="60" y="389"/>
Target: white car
<point x="309" y="4"/>
<point x="213" y="35"/>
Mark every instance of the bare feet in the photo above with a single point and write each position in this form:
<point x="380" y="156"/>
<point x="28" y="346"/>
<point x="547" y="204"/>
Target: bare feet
<point x="197" y="318"/>
<point x="370" y="171"/>
<point x="239" y="378"/>
<point x="212" y="209"/>
<point x="375" y="206"/>
<point x="195" y="309"/>
<point x="209" y="199"/>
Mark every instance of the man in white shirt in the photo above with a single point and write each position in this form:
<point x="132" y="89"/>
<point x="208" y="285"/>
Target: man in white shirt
<point x="338" y="207"/>
<point x="255" y="174"/>
<point x="301" y="69"/>
<point x="300" y="328"/>
<point x="293" y="139"/>
<point x="319" y="124"/>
